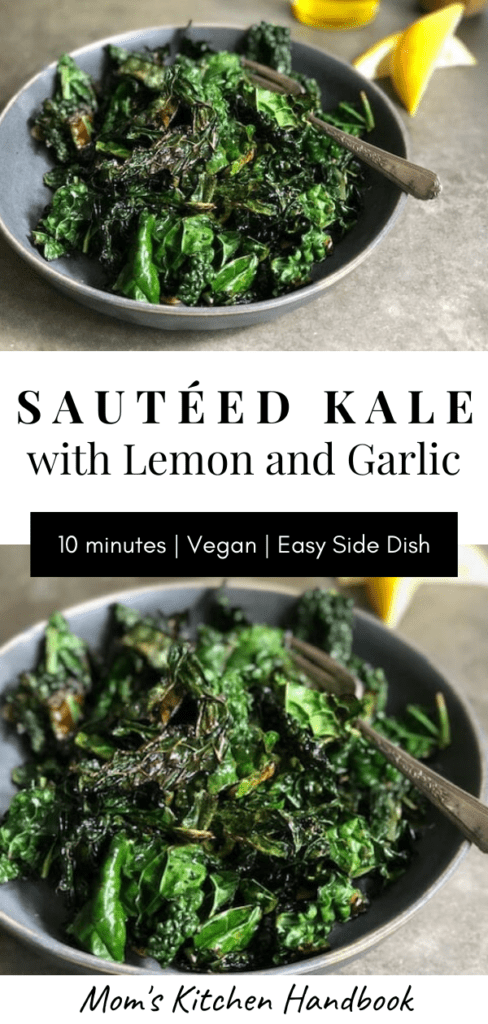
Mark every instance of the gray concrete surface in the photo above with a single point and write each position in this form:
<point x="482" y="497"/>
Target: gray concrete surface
<point x="423" y="288"/>
<point x="449" y="622"/>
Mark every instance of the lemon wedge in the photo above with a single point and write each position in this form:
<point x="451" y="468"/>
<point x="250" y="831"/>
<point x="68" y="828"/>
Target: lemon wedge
<point x="410" y="58"/>
<point x="335" y="14"/>
<point x="414" y="57"/>
<point x="389" y="596"/>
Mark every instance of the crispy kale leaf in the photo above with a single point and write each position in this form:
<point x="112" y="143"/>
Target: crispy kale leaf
<point x="48" y="705"/>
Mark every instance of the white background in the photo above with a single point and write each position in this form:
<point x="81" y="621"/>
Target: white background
<point x="60" y="1000"/>
<point x="303" y="377"/>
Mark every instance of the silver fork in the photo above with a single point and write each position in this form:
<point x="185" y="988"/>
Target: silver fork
<point x="417" y="181"/>
<point x="468" y="813"/>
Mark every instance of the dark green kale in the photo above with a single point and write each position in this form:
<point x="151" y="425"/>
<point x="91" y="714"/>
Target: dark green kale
<point x="324" y="618"/>
<point x="188" y="183"/>
<point x="270" y="45"/>
<point x="198" y="801"/>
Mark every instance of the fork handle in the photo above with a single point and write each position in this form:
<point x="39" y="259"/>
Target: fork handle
<point x="417" y="181"/>
<point x="468" y="813"/>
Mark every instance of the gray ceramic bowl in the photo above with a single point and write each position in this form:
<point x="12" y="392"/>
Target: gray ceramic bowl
<point x="23" y="195"/>
<point x="31" y="912"/>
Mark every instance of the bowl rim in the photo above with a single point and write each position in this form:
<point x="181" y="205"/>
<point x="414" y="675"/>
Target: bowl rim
<point x="75" y="288"/>
<point x="53" y="948"/>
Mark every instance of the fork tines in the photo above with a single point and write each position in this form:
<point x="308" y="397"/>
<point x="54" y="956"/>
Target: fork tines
<point x="273" y="80"/>
<point x="323" y="669"/>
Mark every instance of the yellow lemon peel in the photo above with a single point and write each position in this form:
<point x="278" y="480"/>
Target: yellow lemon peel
<point x="409" y="58"/>
<point x="389" y="596"/>
<point x="415" y="56"/>
<point x="335" y="14"/>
